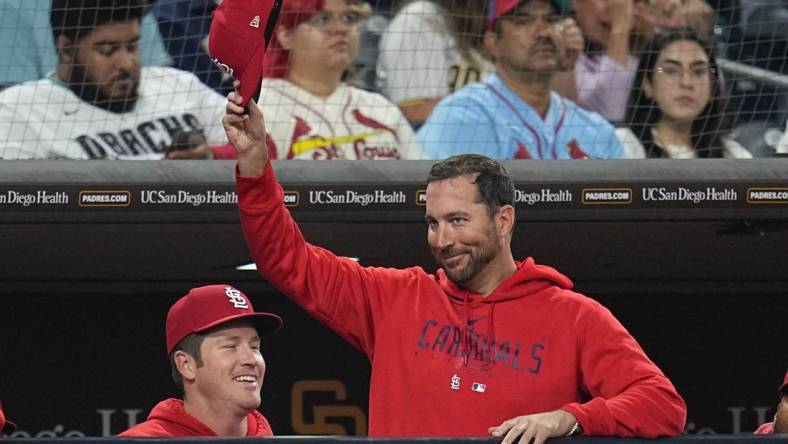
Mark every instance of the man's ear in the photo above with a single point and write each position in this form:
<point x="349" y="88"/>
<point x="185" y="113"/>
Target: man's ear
<point x="65" y="49"/>
<point x="489" y="43"/>
<point x="506" y="220"/>
<point x="185" y="364"/>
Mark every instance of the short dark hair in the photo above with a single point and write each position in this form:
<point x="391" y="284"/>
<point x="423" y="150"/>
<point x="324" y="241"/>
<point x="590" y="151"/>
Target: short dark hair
<point x="77" y="18"/>
<point x="495" y="187"/>
<point x="191" y="346"/>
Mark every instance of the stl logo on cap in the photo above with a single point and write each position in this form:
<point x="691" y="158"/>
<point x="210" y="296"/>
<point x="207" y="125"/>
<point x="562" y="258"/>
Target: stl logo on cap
<point x="236" y="298"/>
<point x="209" y="306"/>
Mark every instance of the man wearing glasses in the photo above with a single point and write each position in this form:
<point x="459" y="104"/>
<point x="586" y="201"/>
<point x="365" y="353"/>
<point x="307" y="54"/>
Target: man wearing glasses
<point x="514" y="114"/>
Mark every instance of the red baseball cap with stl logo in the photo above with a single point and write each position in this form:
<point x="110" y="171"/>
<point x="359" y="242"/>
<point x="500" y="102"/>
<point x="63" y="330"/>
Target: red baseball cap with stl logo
<point x="207" y="307"/>
<point x="239" y="35"/>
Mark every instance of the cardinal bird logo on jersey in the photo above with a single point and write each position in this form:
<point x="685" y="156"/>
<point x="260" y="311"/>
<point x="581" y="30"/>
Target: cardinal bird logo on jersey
<point x="302" y="142"/>
<point x="366" y="144"/>
<point x="372" y="123"/>
<point x="575" y="152"/>
<point x="366" y="151"/>
<point x="522" y="152"/>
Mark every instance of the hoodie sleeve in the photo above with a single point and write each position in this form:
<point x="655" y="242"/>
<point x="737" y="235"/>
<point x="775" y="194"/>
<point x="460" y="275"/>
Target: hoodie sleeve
<point x="337" y="291"/>
<point x="630" y="396"/>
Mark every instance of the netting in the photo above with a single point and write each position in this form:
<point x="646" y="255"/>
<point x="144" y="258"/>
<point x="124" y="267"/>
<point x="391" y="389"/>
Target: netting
<point x="370" y="85"/>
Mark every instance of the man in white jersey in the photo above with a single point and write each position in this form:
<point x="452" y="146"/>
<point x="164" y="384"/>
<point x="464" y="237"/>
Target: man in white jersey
<point x="99" y="103"/>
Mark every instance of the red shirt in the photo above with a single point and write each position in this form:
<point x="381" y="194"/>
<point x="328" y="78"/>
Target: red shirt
<point x="169" y="418"/>
<point x="765" y="429"/>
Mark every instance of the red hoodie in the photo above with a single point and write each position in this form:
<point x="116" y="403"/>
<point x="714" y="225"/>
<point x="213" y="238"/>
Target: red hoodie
<point x="447" y="362"/>
<point x="765" y="429"/>
<point x="169" y="418"/>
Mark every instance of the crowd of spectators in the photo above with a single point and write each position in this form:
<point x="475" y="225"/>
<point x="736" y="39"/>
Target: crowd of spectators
<point x="445" y="68"/>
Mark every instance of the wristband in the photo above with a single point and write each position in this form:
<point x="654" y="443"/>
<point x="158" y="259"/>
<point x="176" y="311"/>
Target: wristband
<point x="577" y="429"/>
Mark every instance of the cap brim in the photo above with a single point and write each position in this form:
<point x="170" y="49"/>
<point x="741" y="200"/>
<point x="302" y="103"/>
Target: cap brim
<point x="264" y="323"/>
<point x="252" y="78"/>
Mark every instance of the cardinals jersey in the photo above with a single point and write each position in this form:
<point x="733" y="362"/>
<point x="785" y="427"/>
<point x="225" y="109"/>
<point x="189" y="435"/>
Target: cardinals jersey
<point x="349" y="124"/>
<point x="44" y="119"/>
<point x="489" y="118"/>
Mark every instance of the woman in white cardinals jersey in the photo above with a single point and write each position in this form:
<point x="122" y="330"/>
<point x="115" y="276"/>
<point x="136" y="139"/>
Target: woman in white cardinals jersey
<point x="310" y="112"/>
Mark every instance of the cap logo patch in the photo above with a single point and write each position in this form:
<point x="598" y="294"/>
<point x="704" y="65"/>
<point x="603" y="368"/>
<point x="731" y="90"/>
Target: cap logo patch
<point x="255" y="23"/>
<point x="235" y="297"/>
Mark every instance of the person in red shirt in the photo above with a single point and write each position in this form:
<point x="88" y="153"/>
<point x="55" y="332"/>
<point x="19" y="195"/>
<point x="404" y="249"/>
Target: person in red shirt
<point x="487" y="345"/>
<point x="780" y="423"/>
<point x="213" y="339"/>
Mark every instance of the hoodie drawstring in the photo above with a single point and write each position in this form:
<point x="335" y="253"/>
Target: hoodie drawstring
<point x="491" y="332"/>
<point x="465" y="335"/>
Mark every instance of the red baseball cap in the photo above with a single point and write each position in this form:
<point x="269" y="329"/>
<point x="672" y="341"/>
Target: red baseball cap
<point x="206" y="307"/>
<point x="497" y="8"/>
<point x="784" y="387"/>
<point x="239" y="35"/>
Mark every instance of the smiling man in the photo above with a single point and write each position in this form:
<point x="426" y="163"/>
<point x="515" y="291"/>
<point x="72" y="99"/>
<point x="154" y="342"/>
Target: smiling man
<point x="213" y="339"/>
<point x="514" y="114"/>
<point x="486" y="345"/>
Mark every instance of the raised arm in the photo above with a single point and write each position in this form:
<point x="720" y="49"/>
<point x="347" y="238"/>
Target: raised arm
<point x="348" y="298"/>
<point x="246" y="133"/>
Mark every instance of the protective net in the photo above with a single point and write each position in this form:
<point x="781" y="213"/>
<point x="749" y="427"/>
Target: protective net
<point x="345" y="79"/>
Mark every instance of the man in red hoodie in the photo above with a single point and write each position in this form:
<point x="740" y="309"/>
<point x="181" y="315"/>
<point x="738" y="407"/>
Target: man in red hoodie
<point x="213" y="339"/>
<point x="488" y="344"/>
<point x="780" y="423"/>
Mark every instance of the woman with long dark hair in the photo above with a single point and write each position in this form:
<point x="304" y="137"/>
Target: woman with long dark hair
<point x="679" y="109"/>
